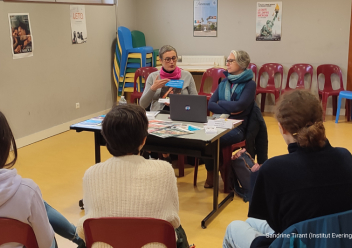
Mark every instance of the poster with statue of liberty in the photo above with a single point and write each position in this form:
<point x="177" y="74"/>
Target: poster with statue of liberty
<point x="268" y="25"/>
<point x="205" y="18"/>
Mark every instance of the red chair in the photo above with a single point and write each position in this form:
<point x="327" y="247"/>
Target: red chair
<point x="128" y="232"/>
<point x="226" y="154"/>
<point x="12" y="230"/>
<point x="144" y="73"/>
<point x="327" y="70"/>
<point x="271" y="69"/>
<point x="217" y="74"/>
<point x="301" y="70"/>
<point x="253" y="67"/>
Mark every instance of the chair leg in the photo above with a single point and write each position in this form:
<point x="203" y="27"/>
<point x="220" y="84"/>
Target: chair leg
<point x="226" y="159"/>
<point x="181" y="165"/>
<point x="262" y="102"/>
<point x="196" y="162"/>
<point x="348" y="109"/>
<point x="338" y="109"/>
<point x="334" y="103"/>
<point x="324" y="103"/>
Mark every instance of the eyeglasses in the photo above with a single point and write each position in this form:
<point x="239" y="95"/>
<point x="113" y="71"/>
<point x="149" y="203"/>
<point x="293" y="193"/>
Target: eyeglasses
<point x="174" y="58"/>
<point x="230" y="61"/>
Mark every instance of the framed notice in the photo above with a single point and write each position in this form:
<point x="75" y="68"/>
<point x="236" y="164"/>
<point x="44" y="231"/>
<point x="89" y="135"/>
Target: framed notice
<point x="20" y="35"/>
<point x="205" y="18"/>
<point x="268" y="25"/>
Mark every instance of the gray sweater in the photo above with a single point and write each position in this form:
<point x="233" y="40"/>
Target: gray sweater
<point x="21" y="199"/>
<point x="150" y="96"/>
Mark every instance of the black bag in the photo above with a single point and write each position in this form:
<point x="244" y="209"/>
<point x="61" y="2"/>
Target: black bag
<point x="240" y="176"/>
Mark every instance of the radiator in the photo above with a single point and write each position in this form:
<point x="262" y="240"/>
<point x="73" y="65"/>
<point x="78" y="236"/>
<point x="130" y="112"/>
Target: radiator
<point x="204" y="59"/>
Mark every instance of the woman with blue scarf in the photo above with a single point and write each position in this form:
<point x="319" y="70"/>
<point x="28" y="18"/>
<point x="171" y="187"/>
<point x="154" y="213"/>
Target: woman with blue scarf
<point x="235" y="97"/>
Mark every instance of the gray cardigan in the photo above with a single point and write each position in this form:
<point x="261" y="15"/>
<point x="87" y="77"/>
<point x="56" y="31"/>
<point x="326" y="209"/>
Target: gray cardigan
<point x="150" y="96"/>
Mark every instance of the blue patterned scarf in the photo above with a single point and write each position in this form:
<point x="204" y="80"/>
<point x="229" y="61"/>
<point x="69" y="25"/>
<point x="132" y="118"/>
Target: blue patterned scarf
<point x="238" y="81"/>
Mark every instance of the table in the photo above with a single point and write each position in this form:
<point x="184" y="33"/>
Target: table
<point x="199" y="144"/>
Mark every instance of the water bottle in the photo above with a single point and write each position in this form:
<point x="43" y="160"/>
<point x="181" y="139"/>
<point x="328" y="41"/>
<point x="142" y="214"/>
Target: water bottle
<point x="122" y="100"/>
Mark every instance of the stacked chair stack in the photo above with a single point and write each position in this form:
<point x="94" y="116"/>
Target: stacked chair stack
<point x="138" y="40"/>
<point x="127" y="60"/>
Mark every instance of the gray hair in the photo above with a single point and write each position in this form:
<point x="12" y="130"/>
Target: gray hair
<point x="242" y="58"/>
<point x="165" y="49"/>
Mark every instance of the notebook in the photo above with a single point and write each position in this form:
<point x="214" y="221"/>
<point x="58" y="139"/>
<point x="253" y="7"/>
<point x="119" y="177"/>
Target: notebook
<point x="188" y="108"/>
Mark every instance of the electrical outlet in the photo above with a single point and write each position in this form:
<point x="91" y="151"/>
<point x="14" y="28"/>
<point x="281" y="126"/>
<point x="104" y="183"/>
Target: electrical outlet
<point x="77" y="105"/>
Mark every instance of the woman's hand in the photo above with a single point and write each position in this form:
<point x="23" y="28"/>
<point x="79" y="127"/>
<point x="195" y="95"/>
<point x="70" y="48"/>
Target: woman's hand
<point x="159" y="83"/>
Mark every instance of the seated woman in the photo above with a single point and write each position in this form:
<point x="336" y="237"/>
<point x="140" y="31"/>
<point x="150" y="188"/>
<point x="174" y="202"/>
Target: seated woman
<point x="235" y="97"/>
<point x="313" y="180"/>
<point x="21" y="198"/>
<point x="155" y="85"/>
<point x="157" y="80"/>
<point x="128" y="185"/>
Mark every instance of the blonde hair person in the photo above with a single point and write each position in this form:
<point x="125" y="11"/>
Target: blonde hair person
<point x="312" y="180"/>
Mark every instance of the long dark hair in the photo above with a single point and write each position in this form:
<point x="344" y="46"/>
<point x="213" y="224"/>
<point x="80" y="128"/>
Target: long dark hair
<point x="7" y="141"/>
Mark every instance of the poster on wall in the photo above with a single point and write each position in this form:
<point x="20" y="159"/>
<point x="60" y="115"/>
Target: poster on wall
<point x="78" y="24"/>
<point x="268" y="25"/>
<point x="21" y="35"/>
<point x="205" y="18"/>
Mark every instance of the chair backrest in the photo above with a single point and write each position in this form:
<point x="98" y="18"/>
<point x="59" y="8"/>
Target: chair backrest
<point x="128" y="232"/>
<point x="12" y="230"/>
<point x="301" y="70"/>
<point x="216" y="74"/>
<point x="253" y="67"/>
<point x="144" y="73"/>
<point x="338" y="224"/>
<point x="124" y="37"/>
<point x="327" y="70"/>
<point x="271" y="69"/>
<point x="138" y="39"/>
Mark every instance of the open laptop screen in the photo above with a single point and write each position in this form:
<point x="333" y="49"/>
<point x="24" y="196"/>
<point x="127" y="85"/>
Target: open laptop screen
<point x="188" y="108"/>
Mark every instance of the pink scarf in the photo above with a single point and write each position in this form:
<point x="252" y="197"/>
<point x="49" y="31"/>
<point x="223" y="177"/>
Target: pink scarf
<point x="176" y="74"/>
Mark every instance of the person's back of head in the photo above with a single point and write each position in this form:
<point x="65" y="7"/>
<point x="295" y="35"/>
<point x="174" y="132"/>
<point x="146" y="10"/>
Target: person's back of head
<point x="300" y="113"/>
<point x="125" y="129"/>
<point x="7" y="141"/>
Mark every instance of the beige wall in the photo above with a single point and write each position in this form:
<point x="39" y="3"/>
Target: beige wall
<point x="40" y="92"/>
<point x="315" y="32"/>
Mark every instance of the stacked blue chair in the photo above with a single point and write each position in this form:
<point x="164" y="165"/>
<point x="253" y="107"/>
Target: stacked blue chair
<point x="127" y="60"/>
<point x="348" y="96"/>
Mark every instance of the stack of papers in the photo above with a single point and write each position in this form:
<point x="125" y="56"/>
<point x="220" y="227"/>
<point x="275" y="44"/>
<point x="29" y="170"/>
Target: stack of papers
<point x="152" y="114"/>
<point x="223" y="123"/>
<point x="165" y="129"/>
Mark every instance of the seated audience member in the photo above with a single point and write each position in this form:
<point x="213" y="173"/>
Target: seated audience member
<point x="235" y="97"/>
<point x="157" y="80"/>
<point x="128" y="185"/>
<point x="313" y="180"/>
<point x="21" y="198"/>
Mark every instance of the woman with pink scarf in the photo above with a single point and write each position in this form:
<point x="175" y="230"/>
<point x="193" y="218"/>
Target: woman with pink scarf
<point x="157" y="80"/>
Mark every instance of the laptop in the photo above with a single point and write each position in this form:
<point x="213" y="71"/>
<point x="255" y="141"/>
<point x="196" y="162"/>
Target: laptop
<point x="188" y="108"/>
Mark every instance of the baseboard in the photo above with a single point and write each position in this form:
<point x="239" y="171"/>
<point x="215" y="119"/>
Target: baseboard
<point x="30" y="139"/>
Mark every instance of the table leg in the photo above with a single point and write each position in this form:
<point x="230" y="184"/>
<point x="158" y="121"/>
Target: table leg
<point x="97" y="137"/>
<point x="216" y="206"/>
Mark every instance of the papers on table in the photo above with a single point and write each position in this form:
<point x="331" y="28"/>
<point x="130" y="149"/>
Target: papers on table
<point x="94" y="122"/>
<point x="152" y="114"/>
<point x="165" y="129"/>
<point x="223" y="123"/>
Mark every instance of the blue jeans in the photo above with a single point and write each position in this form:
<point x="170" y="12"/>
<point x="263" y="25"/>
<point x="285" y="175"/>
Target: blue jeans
<point x="61" y="225"/>
<point x="240" y="234"/>
<point x="234" y="136"/>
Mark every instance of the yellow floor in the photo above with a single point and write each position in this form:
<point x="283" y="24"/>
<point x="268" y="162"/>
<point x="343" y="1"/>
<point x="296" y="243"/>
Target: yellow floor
<point x="57" y="165"/>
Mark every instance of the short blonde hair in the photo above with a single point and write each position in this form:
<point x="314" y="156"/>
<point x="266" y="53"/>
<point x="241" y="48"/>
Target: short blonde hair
<point x="164" y="49"/>
<point x="242" y="58"/>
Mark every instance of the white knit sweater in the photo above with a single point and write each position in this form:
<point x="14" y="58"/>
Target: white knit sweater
<point x="130" y="186"/>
